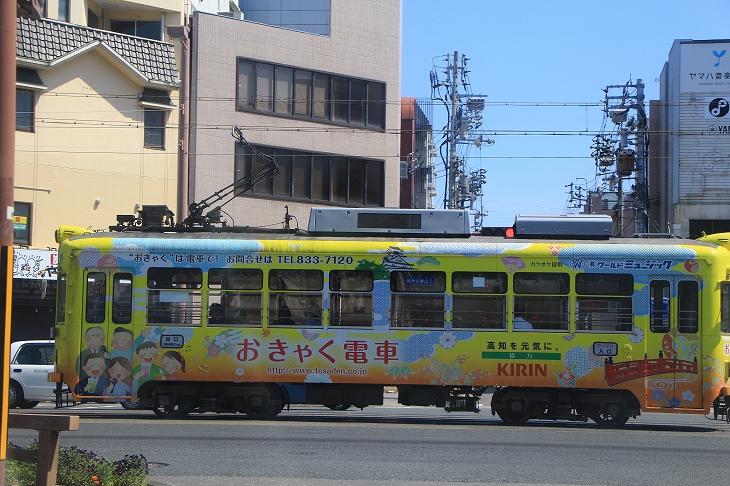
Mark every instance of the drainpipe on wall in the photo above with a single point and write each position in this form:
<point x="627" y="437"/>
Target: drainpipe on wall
<point x="182" y="32"/>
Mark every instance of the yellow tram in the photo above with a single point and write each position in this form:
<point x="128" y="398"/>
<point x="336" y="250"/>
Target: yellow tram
<point x="563" y="321"/>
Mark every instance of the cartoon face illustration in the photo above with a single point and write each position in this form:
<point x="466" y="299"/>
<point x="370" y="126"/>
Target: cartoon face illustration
<point x="122" y="339"/>
<point x="95" y="365"/>
<point x="170" y="364"/>
<point x="147" y="355"/>
<point x="94" y="337"/>
<point x="118" y="371"/>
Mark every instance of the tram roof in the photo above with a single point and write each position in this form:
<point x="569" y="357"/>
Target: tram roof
<point x="278" y="235"/>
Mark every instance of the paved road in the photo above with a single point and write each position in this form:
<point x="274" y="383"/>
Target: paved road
<point x="402" y="445"/>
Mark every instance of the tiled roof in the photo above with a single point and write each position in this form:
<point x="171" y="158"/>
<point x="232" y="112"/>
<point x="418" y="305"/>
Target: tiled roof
<point x="47" y="42"/>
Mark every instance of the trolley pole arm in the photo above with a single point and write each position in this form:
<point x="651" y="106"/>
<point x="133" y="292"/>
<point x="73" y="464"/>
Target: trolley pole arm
<point x="198" y="216"/>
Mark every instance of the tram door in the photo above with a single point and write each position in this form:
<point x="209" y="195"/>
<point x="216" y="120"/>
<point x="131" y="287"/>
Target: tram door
<point x="673" y="371"/>
<point x="104" y="365"/>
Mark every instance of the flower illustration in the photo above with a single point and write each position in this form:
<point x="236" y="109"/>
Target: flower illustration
<point x="447" y="340"/>
<point x="214" y="351"/>
<point x="637" y="336"/>
<point x="688" y="396"/>
<point x="220" y="340"/>
<point x="565" y="378"/>
<point x="240" y="371"/>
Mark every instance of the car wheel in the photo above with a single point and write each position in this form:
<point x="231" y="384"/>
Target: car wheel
<point x="28" y="404"/>
<point x="15" y="396"/>
<point x="132" y="405"/>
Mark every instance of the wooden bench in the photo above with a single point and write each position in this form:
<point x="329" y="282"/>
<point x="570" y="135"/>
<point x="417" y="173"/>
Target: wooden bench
<point x="49" y="429"/>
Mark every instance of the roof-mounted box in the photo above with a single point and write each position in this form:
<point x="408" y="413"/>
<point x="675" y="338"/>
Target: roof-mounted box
<point x="577" y="226"/>
<point x="404" y="222"/>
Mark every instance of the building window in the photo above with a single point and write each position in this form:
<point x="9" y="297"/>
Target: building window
<point x="21" y="223"/>
<point x="64" y="8"/>
<point x="301" y="93"/>
<point x="154" y="129"/>
<point x="149" y="29"/>
<point x="92" y="20"/>
<point x="24" y="110"/>
<point x="315" y="177"/>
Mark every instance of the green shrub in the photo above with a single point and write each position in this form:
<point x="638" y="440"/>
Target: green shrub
<point x="78" y="467"/>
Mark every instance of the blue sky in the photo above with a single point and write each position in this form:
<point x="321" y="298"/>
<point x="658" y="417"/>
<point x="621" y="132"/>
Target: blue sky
<point x="530" y="57"/>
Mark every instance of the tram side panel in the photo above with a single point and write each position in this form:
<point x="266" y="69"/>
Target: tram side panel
<point x="398" y="314"/>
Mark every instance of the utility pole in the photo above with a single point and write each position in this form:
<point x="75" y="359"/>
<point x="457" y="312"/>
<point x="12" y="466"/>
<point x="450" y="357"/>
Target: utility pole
<point x="465" y="116"/>
<point x="624" y="150"/>
<point x="8" y="13"/>
<point x="453" y="129"/>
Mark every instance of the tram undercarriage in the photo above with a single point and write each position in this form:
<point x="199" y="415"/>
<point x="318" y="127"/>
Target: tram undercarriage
<point x="513" y="405"/>
<point x="257" y="400"/>
<point x="609" y="409"/>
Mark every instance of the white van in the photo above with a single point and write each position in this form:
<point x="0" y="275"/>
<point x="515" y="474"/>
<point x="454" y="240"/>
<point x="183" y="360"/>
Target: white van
<point x="30" y="363"/>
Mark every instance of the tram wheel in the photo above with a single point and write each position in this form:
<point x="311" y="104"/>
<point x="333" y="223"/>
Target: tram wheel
<point x="516" y="412"/>
<point x="265" y="404"/>
<point x="609" y="416"/>
<point x="176" y="408"/>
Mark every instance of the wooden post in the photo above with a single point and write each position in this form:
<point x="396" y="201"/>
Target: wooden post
<point x="49" y="429"/>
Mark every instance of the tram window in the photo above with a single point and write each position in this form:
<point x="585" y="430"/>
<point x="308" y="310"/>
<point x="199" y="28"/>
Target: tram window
<point x="659" y="302"/>
<point x="479" y="282"/>
<point x="234" y="309"/>
<point x="604" y="284"/>
<point x="235" y="279"/>
<point x="541" y="283"/>
<point x="122" y="298"/>
<point x="174" y="307"/>
<point x="724" y="306"/>
<point x="302" y="309"/>
<point x="688" y="306"/>
<point x="609" y="307"/>
<point x="312" y="280"/>
<point x="351" y="281"/>
<point x="418" y="299"/>
<point x="544" y="312"/>
<point x="95" y="297"/>
<point x="479" y="312"/>
<point x="604" y="314"/>
<point x="174" y="278"/>
<point x="418" y="310"/>
<point x="351" y="300"/>
<point x="61" y="299"/>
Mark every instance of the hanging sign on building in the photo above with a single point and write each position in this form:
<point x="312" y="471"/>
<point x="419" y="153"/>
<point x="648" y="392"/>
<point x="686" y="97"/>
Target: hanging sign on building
<point x="34" y="264"/>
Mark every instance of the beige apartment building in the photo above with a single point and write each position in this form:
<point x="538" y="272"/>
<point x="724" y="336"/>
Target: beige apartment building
<point x="322" y="98"/>
<point x="314" y="84"/>
<point x="96" y="131"/>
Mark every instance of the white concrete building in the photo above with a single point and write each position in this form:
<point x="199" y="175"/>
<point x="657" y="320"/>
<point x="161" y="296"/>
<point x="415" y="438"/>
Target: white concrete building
<point x="689" y="165"/>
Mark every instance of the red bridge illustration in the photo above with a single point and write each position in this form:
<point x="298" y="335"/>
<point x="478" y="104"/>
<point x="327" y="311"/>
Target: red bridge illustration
<point x="631" y="370"/>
